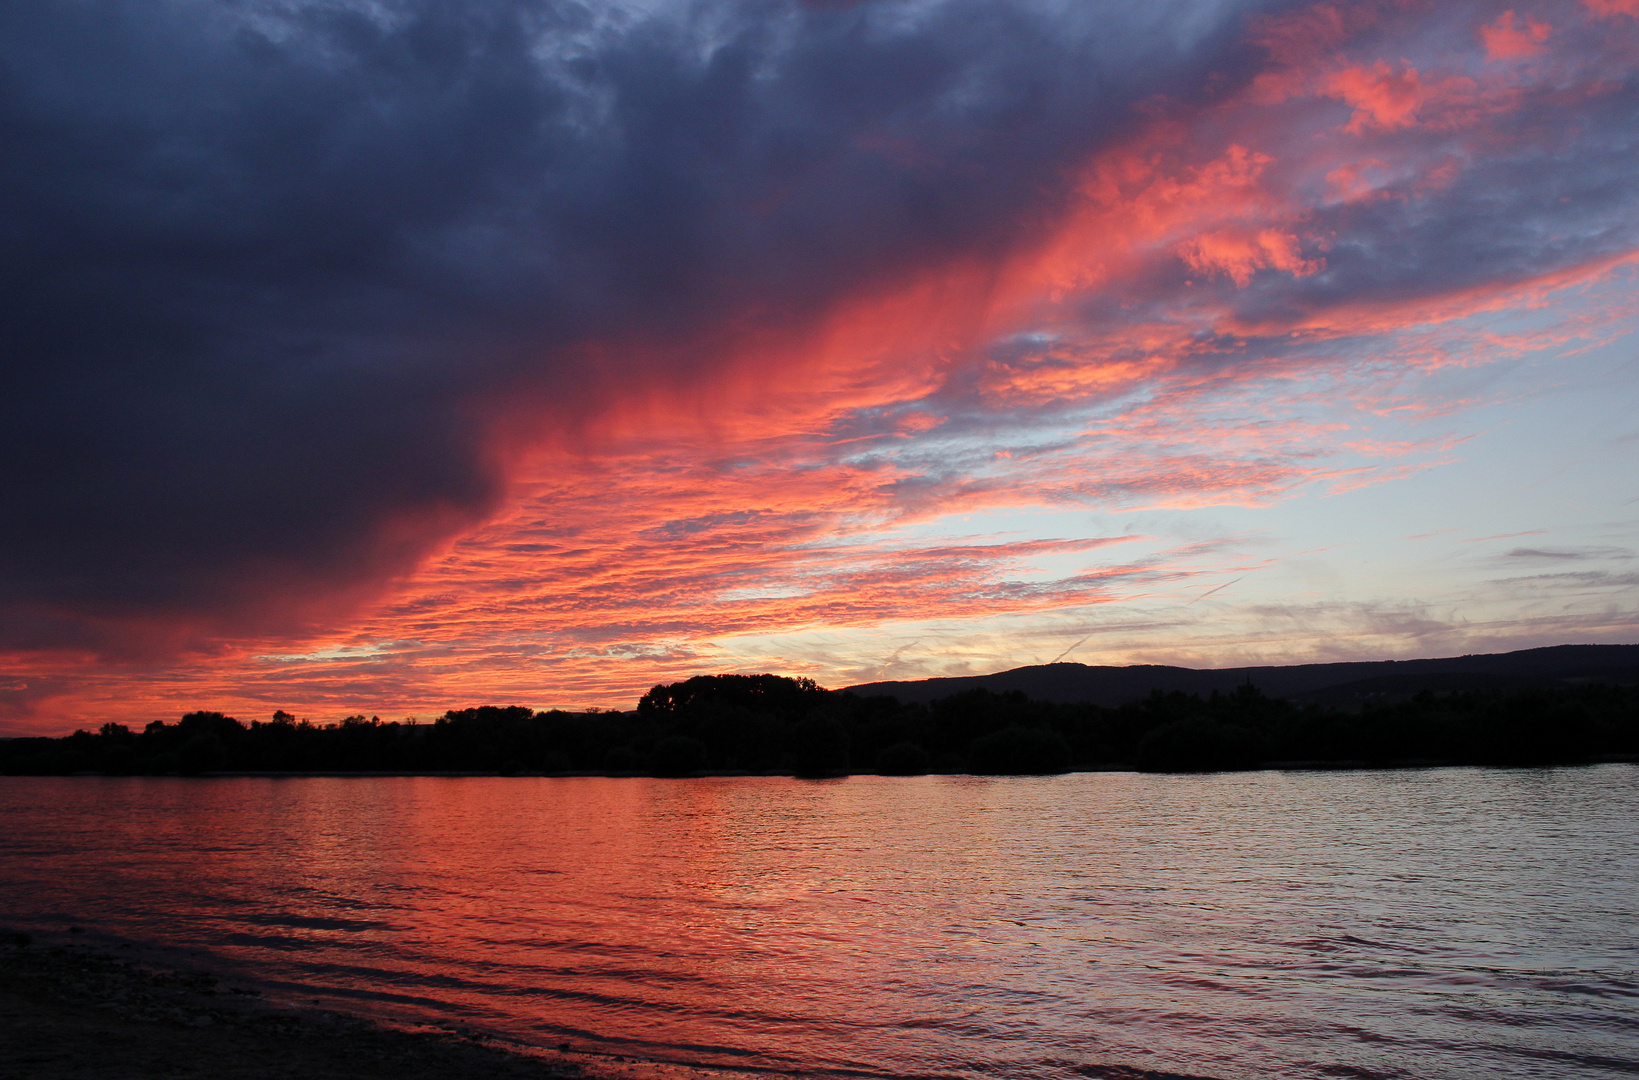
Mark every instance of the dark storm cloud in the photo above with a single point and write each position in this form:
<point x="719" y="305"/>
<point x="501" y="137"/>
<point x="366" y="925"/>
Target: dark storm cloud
<point x="271" y="271"/>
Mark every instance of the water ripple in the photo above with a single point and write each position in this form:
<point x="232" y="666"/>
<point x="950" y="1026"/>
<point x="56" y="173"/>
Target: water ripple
<point x="1377" y="926"/>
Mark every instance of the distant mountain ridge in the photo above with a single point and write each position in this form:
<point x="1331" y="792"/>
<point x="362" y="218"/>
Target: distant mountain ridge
<point x="1343" y="685"/>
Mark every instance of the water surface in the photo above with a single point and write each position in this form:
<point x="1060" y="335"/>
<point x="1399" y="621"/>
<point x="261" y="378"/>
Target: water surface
<point x="1440" y="923"/>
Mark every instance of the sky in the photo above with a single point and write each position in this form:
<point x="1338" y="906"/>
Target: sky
<point x="395" y="356"/>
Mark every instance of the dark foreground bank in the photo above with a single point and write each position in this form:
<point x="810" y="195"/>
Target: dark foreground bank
<point x="77" y="1013"/>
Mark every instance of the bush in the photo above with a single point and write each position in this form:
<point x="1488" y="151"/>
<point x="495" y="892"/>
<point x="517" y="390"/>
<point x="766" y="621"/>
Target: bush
<point x="202" y="753"/>
<point x="1199" y="745"/>
<point x="819" y="747"/>
<point x="1019" y="751"/>
<point x="678" y="755"/>
<point x="903" y="759"/>
<point x="622" y="759"/>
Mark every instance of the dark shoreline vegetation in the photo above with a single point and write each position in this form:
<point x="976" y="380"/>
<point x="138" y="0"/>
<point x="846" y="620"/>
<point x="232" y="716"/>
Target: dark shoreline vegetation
<point x="769" y="724"/>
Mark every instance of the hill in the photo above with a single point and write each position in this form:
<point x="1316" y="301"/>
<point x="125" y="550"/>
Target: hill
<point x="1342" y="685"/>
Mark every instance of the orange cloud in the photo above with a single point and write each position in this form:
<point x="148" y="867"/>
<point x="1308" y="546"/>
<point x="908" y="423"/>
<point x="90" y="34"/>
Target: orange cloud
<point x="1606" y="9"/>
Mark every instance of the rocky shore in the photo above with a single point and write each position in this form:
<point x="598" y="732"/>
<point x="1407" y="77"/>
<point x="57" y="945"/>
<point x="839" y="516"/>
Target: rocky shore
<point x="71" y="1012"/>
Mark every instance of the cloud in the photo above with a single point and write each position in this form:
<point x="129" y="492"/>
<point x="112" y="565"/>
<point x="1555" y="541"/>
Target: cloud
<point x="1607" y="9"/>
<point x="287" y="287"/>
<point x="1510" y="38"/>
<point x="1552" y="555"/>
<point x="1382" y="96"/>
<point x="497" y="331"/>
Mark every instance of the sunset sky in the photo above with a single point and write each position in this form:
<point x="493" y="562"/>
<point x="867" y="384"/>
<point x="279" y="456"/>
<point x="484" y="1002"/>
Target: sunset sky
<point x="388" y="357"/>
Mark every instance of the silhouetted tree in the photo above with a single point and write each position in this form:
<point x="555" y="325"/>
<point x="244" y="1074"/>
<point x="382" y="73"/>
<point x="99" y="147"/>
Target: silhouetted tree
<point x="677" y="755"/>
<point x="1019" y="750"/>
<point x="766" y="723"/>
<point x="903" y="759"/>
<point x="819" y="747"/>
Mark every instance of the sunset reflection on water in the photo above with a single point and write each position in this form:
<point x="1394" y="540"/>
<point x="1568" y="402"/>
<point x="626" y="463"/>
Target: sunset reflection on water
<point x="1432" y="923"/>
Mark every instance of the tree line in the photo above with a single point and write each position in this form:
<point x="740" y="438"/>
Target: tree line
<point x="773" y="724"/>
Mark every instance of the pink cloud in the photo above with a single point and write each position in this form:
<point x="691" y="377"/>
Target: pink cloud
<point x="1239" y="253"/>
<point x="1384" y="97"/>
<point x="1507" y="38"/>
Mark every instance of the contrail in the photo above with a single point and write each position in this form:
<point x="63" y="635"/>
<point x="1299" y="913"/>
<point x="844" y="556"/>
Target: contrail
<point x="1209" y="592"/>
<point x="882" y="669"/>
<point x="1070" y="650"/>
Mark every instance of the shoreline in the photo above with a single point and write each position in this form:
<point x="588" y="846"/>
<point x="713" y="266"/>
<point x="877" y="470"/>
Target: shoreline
<point x="72" y="1011"/>
<point x="1321" y="765"/>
